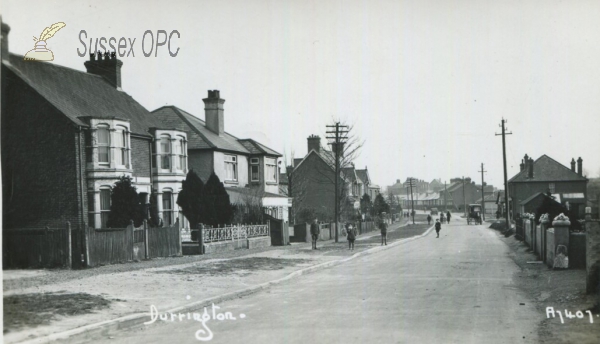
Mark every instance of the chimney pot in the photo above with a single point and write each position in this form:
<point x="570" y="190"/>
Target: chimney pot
<point x="580" y="166"/>
<point x="314" y="143"/>
<point x="573" y="164"/>
<point x="530" y="168"/>
<point x="522" y="165"/>
<point x="5" y="31"/>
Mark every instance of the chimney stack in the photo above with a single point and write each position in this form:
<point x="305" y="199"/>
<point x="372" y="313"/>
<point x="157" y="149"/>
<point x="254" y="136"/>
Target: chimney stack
<point x="573" y="164"/>
<point x="580" y="166"/>
<point x="108" y="67"/>
<point x="5" y="31"/>
<point x="530" y="168"/>
<point x="522" y="165"/>
<point x="314" y="143"/>
<point x="213" y="112"/>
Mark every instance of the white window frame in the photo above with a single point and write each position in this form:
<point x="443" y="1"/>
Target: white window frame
<point x="230" y="161"/>
<point x="104" y="212"/>
<point x="168" y="195"/>
<point x="165" y="155"/>
<point x="180" y="152"/>
<point x="271" y="163"/>
<point x="121" y="151"/>
<point x="105" y="145"/>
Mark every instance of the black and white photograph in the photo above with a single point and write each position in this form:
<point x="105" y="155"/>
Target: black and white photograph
<point x="300" y="171"/>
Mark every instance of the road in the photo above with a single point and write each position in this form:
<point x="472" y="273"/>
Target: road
<point x="455" y="289"/>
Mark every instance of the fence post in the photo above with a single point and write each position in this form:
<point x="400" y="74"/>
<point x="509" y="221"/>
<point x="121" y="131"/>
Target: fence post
<point x="201" y="237"/>
<point x="69" y="259"/>
<point x="146" y="246"/>
<point x="132" y="237"/>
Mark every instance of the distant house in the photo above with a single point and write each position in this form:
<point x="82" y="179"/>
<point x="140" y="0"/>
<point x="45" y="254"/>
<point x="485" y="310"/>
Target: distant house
<point x="374" y="190"/>
<point x="546" y="175"/>
<point x="69" y="135"/>
<point x="459" y="193"/>
<point x="246" y="167"/>
<point x="490" y="205"/>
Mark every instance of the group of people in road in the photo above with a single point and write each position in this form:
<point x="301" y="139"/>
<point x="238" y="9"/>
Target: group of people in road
<point x="350" y="231"/>
<point x="438" y="222"/>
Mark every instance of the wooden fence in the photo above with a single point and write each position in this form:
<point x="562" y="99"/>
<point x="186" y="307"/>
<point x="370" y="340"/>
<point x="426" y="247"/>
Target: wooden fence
<point x="164" y="242"/>
<point x="37" y="248"/>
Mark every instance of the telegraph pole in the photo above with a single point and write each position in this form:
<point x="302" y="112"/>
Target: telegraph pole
<point x="445" y="197"/>
<point x="412" y="200"/>
<point x="464" y="199"/>
<point x="504" y="133"/>
<point x="336" y="144"/>
<point x="482" y="193"/>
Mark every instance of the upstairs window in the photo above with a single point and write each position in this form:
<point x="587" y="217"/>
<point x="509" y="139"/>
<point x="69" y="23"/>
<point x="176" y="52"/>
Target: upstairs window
<point x="165" y="151"/>
<point x="121" y="147"/>
<point x="254" y="168"/>
<point x="231" y="167"/>
<point x="103" y="145"/>
<point x="271" y="170"/>
<point x="180" y="151"/>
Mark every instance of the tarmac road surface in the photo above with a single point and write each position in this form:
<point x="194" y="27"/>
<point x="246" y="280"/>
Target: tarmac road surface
<point x="455" y="289"/>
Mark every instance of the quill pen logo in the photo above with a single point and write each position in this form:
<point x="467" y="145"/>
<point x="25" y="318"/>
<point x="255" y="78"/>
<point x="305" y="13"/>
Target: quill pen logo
<point x="40" y="52"/>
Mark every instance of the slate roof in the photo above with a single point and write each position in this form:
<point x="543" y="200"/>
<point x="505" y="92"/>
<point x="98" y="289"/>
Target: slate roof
<point x="349" y="173"/>
<point x="200" y="137"/>
<point x="546" y="169"/>
<point x="78" y="94"/>
<point x="363" y="175"/>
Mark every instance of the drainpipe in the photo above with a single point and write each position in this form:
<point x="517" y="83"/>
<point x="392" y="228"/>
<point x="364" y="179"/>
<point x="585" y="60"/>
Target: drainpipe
<point x="81" y="186"/>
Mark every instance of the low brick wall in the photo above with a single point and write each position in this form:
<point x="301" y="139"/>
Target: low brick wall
<point x="577" y="250"/>
<point x="550" y="247"/>
<point x="258" y="242"/>
<point x="592" y="229"/>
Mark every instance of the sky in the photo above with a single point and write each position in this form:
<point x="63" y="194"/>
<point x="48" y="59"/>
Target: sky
<point x="425" y="84"/>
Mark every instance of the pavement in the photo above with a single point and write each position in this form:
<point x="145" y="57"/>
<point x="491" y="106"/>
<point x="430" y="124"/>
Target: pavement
<point x="458" y="288"/>
<point x="181" y="287"/>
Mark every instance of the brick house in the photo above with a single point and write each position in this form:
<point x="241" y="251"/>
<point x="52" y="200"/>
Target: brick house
<point x="68" y="135"/>
<point x="547" y="176"/>
<point x="246" y="167"/>
<point x="457" y="194"/>
<point x="313" y="183"/>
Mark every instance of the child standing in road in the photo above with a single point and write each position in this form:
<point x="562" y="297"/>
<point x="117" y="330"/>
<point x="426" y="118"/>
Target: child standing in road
<point x="350" y="235"/>
<point x="438" y="227"/>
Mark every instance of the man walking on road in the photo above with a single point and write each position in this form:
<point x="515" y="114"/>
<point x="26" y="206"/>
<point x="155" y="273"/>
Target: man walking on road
<point x="438" y="228"/>
<point x="428" y="220"/>
<point x="448" y="216"/>
<point x="314" y="233"/>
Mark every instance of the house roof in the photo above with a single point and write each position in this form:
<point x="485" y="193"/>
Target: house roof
<point x="328" y="158"/>
<point x="488" y="198"/>
<point x="546" y="169"/>
<point x="364" y="176"/>
<point x="200" y="137"/>
<point x="350" y="173"/>
<point x="78" y="94"/>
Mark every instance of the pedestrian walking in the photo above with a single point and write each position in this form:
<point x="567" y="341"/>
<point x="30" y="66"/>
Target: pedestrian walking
<point x="314" y="233"/>
<point x="350" y="235"/>
<point x="438" y="227"/>
<point x="428" y="220"/>
<point x="383" y="228"/>
<point x="442" y="218"/>
<point x="448" y="216"/>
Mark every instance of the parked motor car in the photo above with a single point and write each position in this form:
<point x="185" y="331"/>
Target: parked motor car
<point x="434" y="211"/>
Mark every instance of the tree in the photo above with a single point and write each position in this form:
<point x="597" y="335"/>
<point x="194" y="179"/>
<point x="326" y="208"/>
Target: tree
<point x="190" y="198"/>
<point x="380" y="205"/>
<point x="250" y="210"/>
<point x="125" y="205"/>
<point x="218" y="208"/>
<point x="366" y="206"/>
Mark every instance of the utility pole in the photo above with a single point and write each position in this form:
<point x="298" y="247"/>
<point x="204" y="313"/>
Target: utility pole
<point x="504" y="133"/>
<point x="412" y="201"/>
<point x="464" y="199"/>
<point x="482" y="193"/>
<point x="336" y="144"/>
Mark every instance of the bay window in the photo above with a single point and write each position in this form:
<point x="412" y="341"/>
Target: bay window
<point x="167" y="200"/>
<point x="121" y="146"/>
<point x="104" y="206"/>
